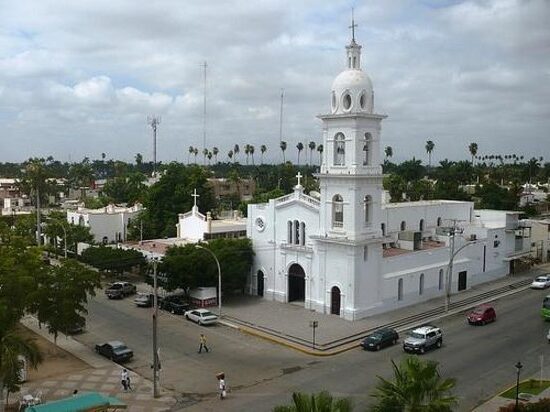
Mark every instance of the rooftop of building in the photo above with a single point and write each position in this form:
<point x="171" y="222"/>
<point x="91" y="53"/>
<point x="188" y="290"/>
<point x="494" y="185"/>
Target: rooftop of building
<point x="425" y="245"/>
<point x="420" y="203"/>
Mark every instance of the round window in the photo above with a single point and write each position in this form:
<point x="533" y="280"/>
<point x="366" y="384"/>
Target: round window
<point x="363" y="101"/>
<point x="347" y="101"/>
<point x="260" y="224"/>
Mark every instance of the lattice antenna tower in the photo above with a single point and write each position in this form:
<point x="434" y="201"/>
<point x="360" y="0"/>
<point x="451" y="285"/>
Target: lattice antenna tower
<point x="154" y="121"/>
<point x="281" y="116"/>
<point x="204" y="66"/>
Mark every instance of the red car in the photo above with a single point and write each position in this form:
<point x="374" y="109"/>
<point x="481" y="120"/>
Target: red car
<point x="482" y="315"/>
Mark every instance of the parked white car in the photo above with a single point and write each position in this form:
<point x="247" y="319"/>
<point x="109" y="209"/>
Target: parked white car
<point x="201" y="316"/>
<point x="541" y="282"/>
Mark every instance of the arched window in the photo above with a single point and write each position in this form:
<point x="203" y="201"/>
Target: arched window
<point x="403" y="225"/>
<point x="383" y="227"/>
<point x="337" y="211"/>
<point x="303" y="233"/>
<point x="421" y="284"/>
<point x="365" y="252"/>
<point x="367" y="149"/>
<point x="367" y="202"/>
<point x="400" y="289"/>
<point x="296" y="232"/>
<point x="438" y="221"/>
<point x="440" y="279"/>
<point x="81" y="221"/>
<point x="339" y="149"/>
<point x="421" y="225"/>
<point x="289" y="235"/>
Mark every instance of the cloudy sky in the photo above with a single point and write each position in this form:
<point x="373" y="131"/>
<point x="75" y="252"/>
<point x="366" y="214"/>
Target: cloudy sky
<point x="78" y="78"/>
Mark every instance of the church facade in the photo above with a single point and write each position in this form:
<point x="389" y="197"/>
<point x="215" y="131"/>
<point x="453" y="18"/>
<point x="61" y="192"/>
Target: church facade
<point x="346" y="251"/>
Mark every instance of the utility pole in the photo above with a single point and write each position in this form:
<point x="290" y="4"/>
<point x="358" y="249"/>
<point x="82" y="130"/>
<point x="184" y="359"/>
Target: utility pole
<point x="154" y="121"/>
<point x="452" y="253"/>
<point x="38" y="231"/>
<point x="155" y="320"/>
<point x="281" y="117"/>
<point x="205" y="66"/>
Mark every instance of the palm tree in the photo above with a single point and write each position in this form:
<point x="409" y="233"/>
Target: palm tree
<point x="311" y="146"/>
<point x="416" y="386"/>
<point x="247" y="152"/>
<point x="429" y="149"/>
<point x="320" y="149"/>
<point x="300" y="147"/>
<point x="209" y="156"/>
<point x="204" y="154"/>
<point x="323" y="401"/>
<point x="473" y="150"/>
<point x="215" y="152"/>
<point x="196" y="152"/>
<point x="236" y="150"/>
<point x="11" y="347"/>
<point x="282" y="145"/>
<point x="263" y="149"/>
<point x="251" y="150"/>
<point x="191" y="151"/>
<point x="230" y="155"/>
<point x="388" y="151"/>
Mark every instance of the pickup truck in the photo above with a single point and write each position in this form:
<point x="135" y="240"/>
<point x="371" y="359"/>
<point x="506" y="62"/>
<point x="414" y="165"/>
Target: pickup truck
<point x="118" y="290"/>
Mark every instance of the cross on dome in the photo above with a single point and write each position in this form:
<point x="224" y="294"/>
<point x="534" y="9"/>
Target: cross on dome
<point x="352" y="27"/>
<point x="195" y="195"/>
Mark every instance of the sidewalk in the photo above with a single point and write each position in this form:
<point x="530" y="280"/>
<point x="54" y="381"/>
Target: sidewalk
<point x="102" y="376"/>
<point x="270" y="320"/>
<point x="493" y="404"/>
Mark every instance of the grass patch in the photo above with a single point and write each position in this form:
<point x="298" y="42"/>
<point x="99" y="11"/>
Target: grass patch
<point x="532" y="386"/>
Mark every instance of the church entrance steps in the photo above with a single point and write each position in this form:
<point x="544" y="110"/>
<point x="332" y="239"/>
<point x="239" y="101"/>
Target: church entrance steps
<point x="278" y="328"/>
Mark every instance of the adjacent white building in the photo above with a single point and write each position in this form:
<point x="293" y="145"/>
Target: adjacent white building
<point x="108" y="224"/>
<point x="347" y="251"/>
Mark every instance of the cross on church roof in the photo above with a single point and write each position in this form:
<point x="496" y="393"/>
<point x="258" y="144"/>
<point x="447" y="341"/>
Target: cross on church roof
<point x="299" y="176"/>
<point x="353" y="26"/>
<point x="195" y="195"/>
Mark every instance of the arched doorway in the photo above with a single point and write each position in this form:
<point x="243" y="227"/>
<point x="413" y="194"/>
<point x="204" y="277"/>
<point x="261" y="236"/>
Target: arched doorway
<point x="335" y="301"/>
<point x="296" y="283"/>
<point x="260" y="284"/>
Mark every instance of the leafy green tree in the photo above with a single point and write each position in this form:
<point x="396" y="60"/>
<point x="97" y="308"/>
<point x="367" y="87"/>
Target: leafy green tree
<point x="188" y="267"/>
<point x="113" y="259"/>
<point x="411" y="170"/>
<point x="417" y="386"/>
<point x="171" y="195"/>
<point x="492" y="196"/>
<point x="81" y="176"/>
<point x="388" y="151"/>
<point x="396" y="186"/>
<point x="61" y="299"/>
<point x="320" y="402"/>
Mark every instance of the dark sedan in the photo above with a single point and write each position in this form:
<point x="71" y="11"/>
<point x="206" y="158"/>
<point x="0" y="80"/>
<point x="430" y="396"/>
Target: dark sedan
<point x="380" y="339"/>
<point x="115" y="350"/>
<point x="175" y="304"/>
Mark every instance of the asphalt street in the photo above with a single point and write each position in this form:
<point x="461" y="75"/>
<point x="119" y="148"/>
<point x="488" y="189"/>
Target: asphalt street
<point x="261" y="374"/>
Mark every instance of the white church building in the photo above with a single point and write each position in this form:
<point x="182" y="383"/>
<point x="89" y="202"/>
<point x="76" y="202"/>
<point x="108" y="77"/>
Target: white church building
<point x="347" y="252"/>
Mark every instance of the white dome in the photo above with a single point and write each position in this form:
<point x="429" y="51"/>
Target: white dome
<point x="352" y="92"/>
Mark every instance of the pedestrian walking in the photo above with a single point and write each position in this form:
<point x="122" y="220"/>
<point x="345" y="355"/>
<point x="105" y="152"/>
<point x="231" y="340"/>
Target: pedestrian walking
<point x="203" y="343"/>
<point x="221" y="385"/>
<point x="124" y="379"/>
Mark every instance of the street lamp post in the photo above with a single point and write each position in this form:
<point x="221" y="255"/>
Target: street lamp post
<point x="155" y="343"/>
<point x="62" y="226"/>
<point x="219" y="278"/>
<point x="518" y="369"/>
<point x="448" y="280"/>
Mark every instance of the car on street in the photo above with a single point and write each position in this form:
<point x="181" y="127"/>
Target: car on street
<point x="115" y="350"/>
<point x="201" y="316"/>
<point x="380" y="339"/>
<point x="118" y="290"/>
<point x="541" y="282"/>
<point x="175" y="303"/>
<point x="75" y="327"/>
<point x="144" y="300"/>
<point x="481" y="315"/>
<point x="423" y="338"/>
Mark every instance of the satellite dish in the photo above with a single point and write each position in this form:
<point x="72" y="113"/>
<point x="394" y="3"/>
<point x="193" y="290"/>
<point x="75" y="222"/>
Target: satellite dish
<point x="315" y="194"/>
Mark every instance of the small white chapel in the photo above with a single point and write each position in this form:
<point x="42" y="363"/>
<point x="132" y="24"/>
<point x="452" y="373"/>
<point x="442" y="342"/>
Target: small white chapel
<point x="346" y="251"/>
